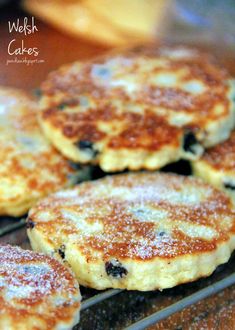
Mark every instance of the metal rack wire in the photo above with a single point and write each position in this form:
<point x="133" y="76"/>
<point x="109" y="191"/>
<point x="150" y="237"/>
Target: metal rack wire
<point x="155" y="317"/>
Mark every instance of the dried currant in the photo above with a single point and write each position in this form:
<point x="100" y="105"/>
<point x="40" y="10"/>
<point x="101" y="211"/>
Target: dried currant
<point x="37" y="92"/>
<point x="115" y="269"/>
<point x="62" y="106"/>
<point x="87" y="146"/>
<point x="189" y="142"/>
<point x="229" y="186"/>
<point x="30" y="224"/>
<point x="61" y="251"/>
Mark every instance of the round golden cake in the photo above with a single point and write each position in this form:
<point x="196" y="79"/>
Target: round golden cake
<point x="30" y="166"/>
<point x="136" y="231"/>
<point x="217" y="166"/>
<point x="36" y="292"/>
<point x="138" y="108"/>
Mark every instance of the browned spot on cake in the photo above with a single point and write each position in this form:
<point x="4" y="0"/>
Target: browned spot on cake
<point x="222" y="156"/>
<point x="128" y="216"/>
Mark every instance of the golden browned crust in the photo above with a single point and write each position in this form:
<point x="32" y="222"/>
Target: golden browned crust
<point x="138" y="109"/>
<point x="36" y="291"/>
<point x="65" y="86"/>
<point x="30" y="167"/>
<point x="137" y="216"/>
<point x="222" y="156"/>
<point x="146" y="131"/>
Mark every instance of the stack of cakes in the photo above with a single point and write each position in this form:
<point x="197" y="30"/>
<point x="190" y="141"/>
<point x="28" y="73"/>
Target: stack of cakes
<point x="137" y="109"/>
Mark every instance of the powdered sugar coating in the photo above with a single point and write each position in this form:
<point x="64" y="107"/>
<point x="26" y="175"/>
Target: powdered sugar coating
<point x="137" y="216"/>
<point x="35" y="286"/>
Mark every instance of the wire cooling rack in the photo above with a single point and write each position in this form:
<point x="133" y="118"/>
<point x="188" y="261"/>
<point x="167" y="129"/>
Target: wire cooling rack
<point x="132" y="310"/>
